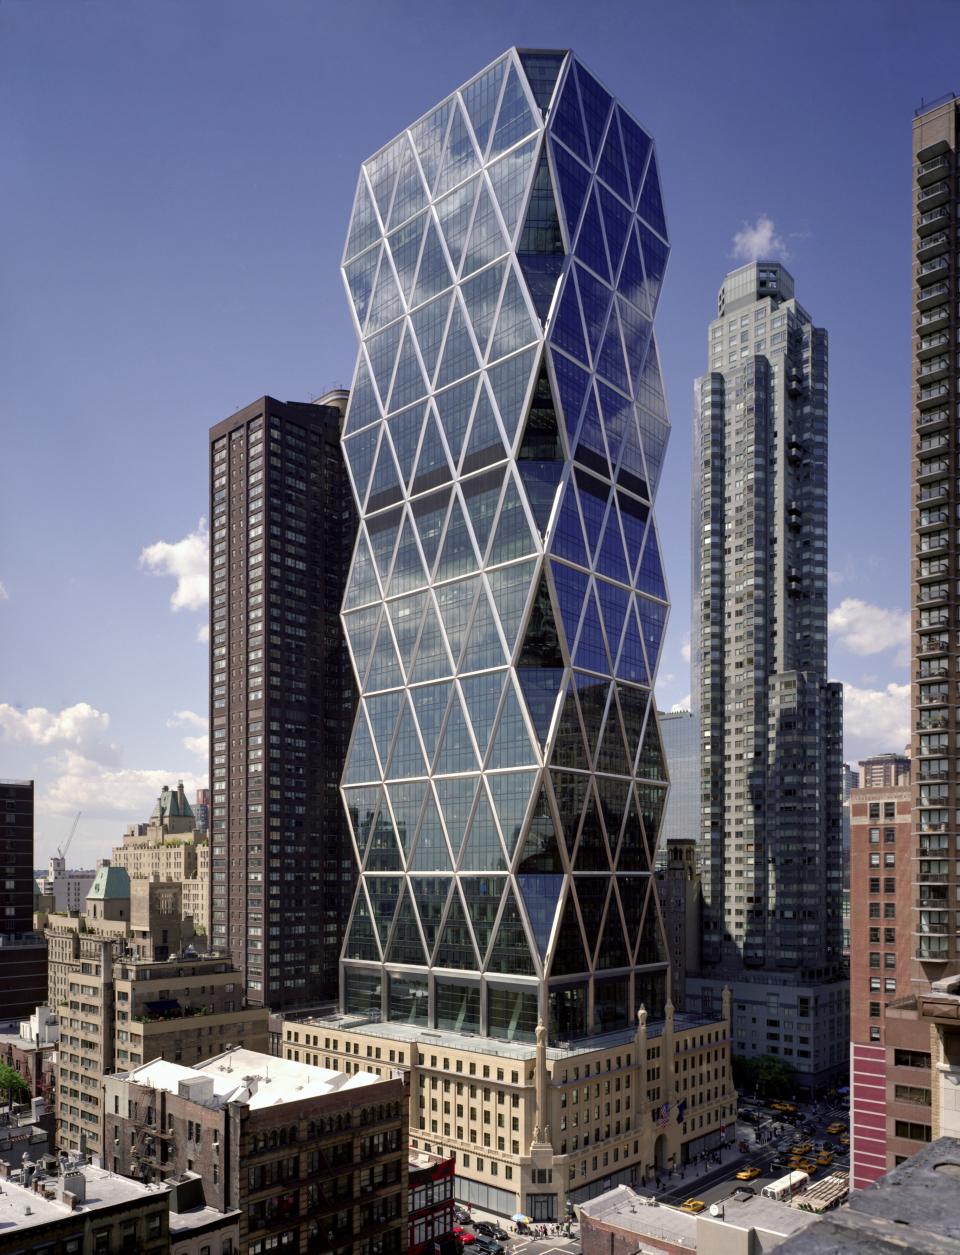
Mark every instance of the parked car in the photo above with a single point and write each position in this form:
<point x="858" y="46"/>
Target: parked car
<point x="462" y="1217"/>
<point x="749" y="1116"/>
<point x="491" y="1230"/>
<point x="744" y="1191"/>
<point x="465" y="1236"/>
<point x="488" y="1246"/>
<point x="776" y="1164"/>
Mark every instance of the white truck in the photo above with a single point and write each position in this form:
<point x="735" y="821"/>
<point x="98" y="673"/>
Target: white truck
<point x="784" y="1189"/>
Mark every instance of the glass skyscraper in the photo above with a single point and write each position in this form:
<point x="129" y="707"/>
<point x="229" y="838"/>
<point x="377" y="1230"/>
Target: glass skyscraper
<point x="506" y="602"/>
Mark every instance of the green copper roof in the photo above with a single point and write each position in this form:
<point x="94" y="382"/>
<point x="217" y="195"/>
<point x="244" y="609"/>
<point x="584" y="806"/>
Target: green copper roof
<point x="172" y="804"/>
<point x="110" y="882"/>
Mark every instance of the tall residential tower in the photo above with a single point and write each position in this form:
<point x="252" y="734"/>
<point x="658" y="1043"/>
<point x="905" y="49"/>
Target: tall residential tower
<point x="281" y="696"/>
<point x="770" y="724"/>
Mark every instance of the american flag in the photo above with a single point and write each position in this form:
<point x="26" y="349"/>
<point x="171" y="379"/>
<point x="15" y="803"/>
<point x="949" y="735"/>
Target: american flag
<point x="664" y="1115"/>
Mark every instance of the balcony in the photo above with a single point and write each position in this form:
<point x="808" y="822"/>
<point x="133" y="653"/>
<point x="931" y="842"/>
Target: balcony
<point x="931" y="929"/>
<point x="932" y="878"/>
<point x="935" y="541"/>
<point x="933" y="170"/>
<point x="933" y="952"/>
<point x="932" y="344"/>
<point x="929" y="271"/>
<point x="933" y="195"/>
<point x="932" y="723"/>
<point x="934" y="317"/>
<point x="933" y="246"/>
<point x="936" y="904"/>
<point x="927" y="297"/>
<point x="930" y="418"/>
<point x="933" y="220"/>
<point x="926" y="594"/>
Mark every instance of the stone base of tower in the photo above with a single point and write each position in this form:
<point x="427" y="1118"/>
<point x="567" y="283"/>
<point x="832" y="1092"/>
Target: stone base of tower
<point x="535" y="1128"/>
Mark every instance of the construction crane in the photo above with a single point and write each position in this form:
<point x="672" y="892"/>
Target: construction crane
<point x="62" y="850"/>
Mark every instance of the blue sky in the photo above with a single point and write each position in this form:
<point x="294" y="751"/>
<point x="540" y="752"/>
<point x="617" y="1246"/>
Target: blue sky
<point x="178" y="178"/>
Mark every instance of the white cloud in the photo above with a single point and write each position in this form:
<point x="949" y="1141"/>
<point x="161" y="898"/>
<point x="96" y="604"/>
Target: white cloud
<point x="80" y="725"/>
<point x="187" y="560"/>
<point x="685" y="648"/>
<point x="682" y="704"/>
<point x="759" y="241"/>
<point x="865" y="629"/>
<point x="81" y="783"/>
<point x="197" y="745"/>
<point x="4" y="595"/>
<point x="875" y="721"/>
<point x="190" y="719"/>
<point x="203" y="632"/>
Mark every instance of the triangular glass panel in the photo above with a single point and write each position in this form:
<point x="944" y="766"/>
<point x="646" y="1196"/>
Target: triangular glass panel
<point x="540" y="686"/>
<point x="509" y="381"/>
<point x="566" y="122"/>
<point x="612" y="754"/>
<point x="384" y="894"/>
<point x="541" y="849"/>
<point x="408" y="383"/>
<point x="360" y="275"/>
<point x="487" y="241"/>
<point x="632" y="472"/>
<point x="459" y="356"/>
<point x="454" y="408"/>
<point x="513" y="537"/>
<point x="361" y="763"/>
<point x="514" y="119"/>
<point x="515" y="328"/>
<point x="633" y="708"/>
<point x="511" y="745"/>
<point x="385" y="303"/>
<point x="596" y="108"/>
<point x="636" y="338"/>
<point x="654" y="264"/>
<point x="428" y="136"/>
<point x="362" y="586"/>
<point x="611" y="167"/>
<point x="596" y="299"/>
<point x="385" y="486"/>
<point x="650" y="764"/>
<point x="614" y="605"/>
<point x="383" y="540"/>
<point x="610" y="557"/>
<point x="430" y="894"/>
<point x="541" y="238"/>
<point x="541" y="895"/>
<point x="569" y="748"/>
<point x="429" y="324"/>
<point x="611" y="363"/>
<point x="652" y="947"/>
<point x="650" y="577"/>
<point x="541" y="274"/>
<point x="384" y="670"/>
<point x="541" y="434"/>
<point x="485" y="443"/>
<point x="591" y="653"/>
<point x="457" y="557"/>
<point x="570" y="790"/>
<point x="456" y="752"/>
<point x="364" y="228"/>
<point x="383" y="852"/>
<point x="617" y="413"/>
<point x="632" y="665"/>
<point x="456" y="603"/>
<point x="433" y="274"/>
<point x="593" y="505"/>
<point x="362" y="408"/>
<point x="360" y="627"/>
<point x="382" y="714"/>
<point x="482" y="496"/>
<point x="574" y="181"/>
<point x="510" y="587"/>
<point x="482" y="851"/>
<point x="359" y="451"/>
<point x="429" y="512"/>
<point x="404" y="429"/>
<point x="591" y="854"/>
<point x="431" y="660"/>
<point x="432" y="465"/>
<point x="511" y="797"/>
<point x="571" y="589"/>
<point x="406" y="802"/>
<point x="408" y="572"/>
<point x="510" y="951"/>
<point x="482" y="895"/>
<point x="430" y="703"/>
<point x="632" y="285"/>
<point x="650" y="207"/>
<point x="455" y="947"/>
<point x="572" y="384"/>
<point x="509" y="177"/>
<point x="454" y="213"/>
<point x="382" y="171"/>
<point x="591" y="249"/>
<point x="540" y="480"/>
<point x="480" y="295"/>
<point x="410" y="196"/>
<point x="480" y="98"/>
<point x="613" y="796"/>
<point x="541" y="69"/>
<point x="361" y="943"/>
<point x="405" y="944"/>
<point x="616" y="225"/>
<point x="636" y="146"/>
<point x="382" y="349"/>
<point x="633" y="895"/>
<point x="405" y="250"/>
<point x="591" y="894"/>
<point x="484" y="647"/>
<point x="569" y="954"/>
<point x="652" y="798"/>
<point x="612" y="950"/>
<point x="567" y="539"/>
<point x="653" y="618"/>
<point x="593" y="695"/>
<point x="407" y="757"/>
<point x="481" y="693"/>
<point x="460" y="157"/>
<point x="567" y="332"/>
<point x="541" y="640"/>
<point x="633" y="519"/>
<point x="431" y="853"/>
<point x="456" y="802"/>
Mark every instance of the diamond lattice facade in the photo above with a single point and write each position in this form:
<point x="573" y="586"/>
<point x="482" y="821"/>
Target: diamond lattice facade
<point x="506" y="602"/>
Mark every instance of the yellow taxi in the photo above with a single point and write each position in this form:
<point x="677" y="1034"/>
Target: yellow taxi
<point x="825" y="1159"/>
<point x="808" y="1166"/>
<point x="837" y="1127"/>
<point x="748" y="1174"/>
<point x="801" y="1148"/>
<point x="693" y="1205"/>
<point x="787" y="1107"/>
<point x="844" y="1141"/>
